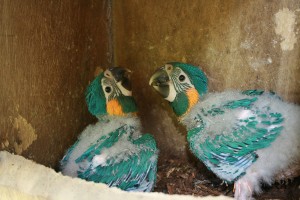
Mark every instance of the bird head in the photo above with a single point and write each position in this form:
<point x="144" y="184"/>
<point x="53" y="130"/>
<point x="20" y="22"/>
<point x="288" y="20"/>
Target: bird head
<point x="181" y="84"/>
<point x="110" y="93"/>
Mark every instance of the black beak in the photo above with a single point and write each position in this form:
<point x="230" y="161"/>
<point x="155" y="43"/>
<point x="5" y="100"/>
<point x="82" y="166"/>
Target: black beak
<point x="122" y="75"/>
<point x="160" y="82"/>
<point x="159" y="78"/>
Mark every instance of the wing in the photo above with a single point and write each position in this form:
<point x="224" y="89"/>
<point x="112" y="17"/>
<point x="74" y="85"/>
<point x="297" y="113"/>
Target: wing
<point x="121" y="161"/>
<point x="66" y="157"/>
<point x="229" y="152"/>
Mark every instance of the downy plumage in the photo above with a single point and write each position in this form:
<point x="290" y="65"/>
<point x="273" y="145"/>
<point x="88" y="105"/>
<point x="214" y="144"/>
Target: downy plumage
<point x="245" y="137"/>
<point x="113" y="151"/>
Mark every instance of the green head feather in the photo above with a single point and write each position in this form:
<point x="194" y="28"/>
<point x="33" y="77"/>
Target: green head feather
<point x="128" y="104"/>
<point x="196" y="75"/>
<point x="180" y="105"/>
<point x="95" y="97"/>
<point x="181" y="84"/>
<point x="97" y="102"/>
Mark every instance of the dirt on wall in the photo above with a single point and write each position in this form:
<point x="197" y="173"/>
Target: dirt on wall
<point x="49" y="52"/>
<point x="239" y="45"/>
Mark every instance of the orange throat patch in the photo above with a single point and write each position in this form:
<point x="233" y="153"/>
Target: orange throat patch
<point x="193" y="97"/>
<point x="114" y="108"/>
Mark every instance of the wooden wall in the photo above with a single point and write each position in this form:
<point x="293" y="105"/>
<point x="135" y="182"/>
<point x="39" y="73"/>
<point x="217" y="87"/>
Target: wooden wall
<point x="239" y="44"/>
<point x="49" y="51"/>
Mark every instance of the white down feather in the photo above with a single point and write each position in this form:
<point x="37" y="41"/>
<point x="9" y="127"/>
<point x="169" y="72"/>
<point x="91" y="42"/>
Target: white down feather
<point x="283" y="152"/>
<point x="92" y="133"/>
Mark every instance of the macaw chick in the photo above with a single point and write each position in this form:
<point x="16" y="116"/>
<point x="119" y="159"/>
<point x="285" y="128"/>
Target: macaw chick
<point x="113" y="151"/>
<point x="245" y="137"/>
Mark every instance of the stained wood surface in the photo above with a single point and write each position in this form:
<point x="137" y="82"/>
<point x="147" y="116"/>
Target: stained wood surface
<point x="49" y="51"/>
<point x="238" y="44"/>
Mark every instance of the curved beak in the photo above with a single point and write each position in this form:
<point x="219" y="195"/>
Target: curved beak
<point x="160" y="81"/>
<point x="159" y="78"/>
<point x="122" y="75"/>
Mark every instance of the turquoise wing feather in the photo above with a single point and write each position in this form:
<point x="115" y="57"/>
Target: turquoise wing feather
<point x="101" y="143"/>
<point x="134" y="171"/>
<point x="230" y="154"/>
<point x="66" y="158"/>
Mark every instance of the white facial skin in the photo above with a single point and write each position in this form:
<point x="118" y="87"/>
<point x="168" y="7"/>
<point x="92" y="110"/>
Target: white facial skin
<point x="111" y="88"/>
<point x="179" y="81"/>
<point x="172" y="92"/>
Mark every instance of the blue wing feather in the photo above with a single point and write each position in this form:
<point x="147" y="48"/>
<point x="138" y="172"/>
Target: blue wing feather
<point x="229" y="155"/>
<point x="133" y="172"/>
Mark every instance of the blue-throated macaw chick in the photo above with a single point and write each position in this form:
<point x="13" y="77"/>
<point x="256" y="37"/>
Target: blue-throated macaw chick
<point x="245" y="137"/>
<point x="113" y="151"/>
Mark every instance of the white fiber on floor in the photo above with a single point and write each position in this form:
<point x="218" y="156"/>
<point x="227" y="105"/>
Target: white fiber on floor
<point x="22" y="179"/>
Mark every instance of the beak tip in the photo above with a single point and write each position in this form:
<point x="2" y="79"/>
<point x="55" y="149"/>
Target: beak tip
<point x="150" y="82"/>
<point x="159" y="78"/>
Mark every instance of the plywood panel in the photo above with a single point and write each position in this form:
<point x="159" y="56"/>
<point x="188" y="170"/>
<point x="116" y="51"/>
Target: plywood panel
<point x="239" y="44"/>
<point x="49" y="51"/>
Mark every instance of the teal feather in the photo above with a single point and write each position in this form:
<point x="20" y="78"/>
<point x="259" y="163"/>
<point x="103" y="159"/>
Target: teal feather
<point x="180" y="104"/>
<point x="260" y="92"/>
<point x="229" y="155"/>
<point x="128" y="104"/>
<point x="104" y="142"/>
<point x="129" y="174"/>
<point x="253" y="92"/>
<point x="95" y="97"/>
<point x="65" y="159"/>
<point x="246" y="103"/>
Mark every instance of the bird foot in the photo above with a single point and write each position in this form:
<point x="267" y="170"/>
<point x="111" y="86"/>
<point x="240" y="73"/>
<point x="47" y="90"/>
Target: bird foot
<point x="242" y="190"/>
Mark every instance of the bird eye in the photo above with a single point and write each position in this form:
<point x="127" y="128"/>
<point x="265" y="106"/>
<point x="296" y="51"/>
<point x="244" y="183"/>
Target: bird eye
<point x="107" y="89"/>
<point x="181" y="78"/>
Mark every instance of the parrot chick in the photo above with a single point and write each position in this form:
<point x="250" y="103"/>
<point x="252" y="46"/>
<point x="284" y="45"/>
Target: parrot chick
<point x="113" y="151"/>
<point x="244" y="137"/>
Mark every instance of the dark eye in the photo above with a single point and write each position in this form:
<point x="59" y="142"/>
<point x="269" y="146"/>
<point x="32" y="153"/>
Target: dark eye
<point x="108" y="89"/>
<point x="181" y="78"/>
